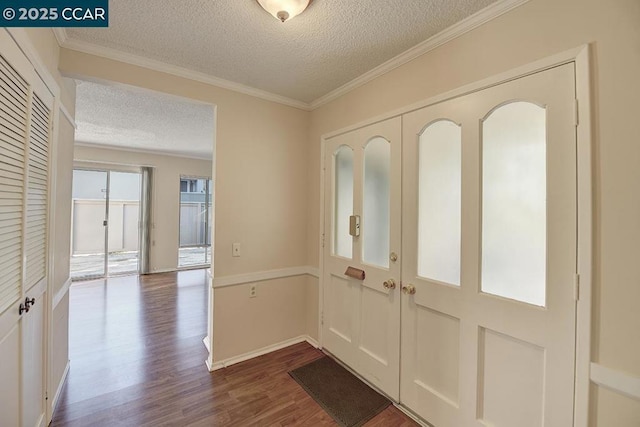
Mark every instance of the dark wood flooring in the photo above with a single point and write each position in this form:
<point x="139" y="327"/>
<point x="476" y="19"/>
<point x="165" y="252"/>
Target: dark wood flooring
<point x="137" y="359"/>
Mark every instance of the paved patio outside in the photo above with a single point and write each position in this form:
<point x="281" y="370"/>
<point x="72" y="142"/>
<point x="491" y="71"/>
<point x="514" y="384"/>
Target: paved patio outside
<point x="92" y="265"/>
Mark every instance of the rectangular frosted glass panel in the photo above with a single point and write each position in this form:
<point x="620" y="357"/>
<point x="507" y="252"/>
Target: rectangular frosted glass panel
<point x="514" y="203"/>
<point x="343" y="202"/>
<point x="439" y="195"/>
<point x="375" y="234"/>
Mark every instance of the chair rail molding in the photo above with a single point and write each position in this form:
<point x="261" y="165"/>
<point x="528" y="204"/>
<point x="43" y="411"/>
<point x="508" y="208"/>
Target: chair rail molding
<point x="616" y="381"/>
<point x="261" y="276"/>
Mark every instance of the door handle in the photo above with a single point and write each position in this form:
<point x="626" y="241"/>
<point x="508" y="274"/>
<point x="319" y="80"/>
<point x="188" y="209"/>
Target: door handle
<point x="23" y="309"/>
<point x="409" y="289"/>
<point x="29" y="302"/>
<point x="389" y="284"/>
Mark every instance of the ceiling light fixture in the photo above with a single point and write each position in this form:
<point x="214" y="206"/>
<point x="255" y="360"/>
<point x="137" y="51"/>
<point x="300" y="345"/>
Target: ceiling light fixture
<point x="284" y="10"/>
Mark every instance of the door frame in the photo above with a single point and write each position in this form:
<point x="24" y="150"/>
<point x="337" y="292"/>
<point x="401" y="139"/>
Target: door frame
<point x="581" y="58"/>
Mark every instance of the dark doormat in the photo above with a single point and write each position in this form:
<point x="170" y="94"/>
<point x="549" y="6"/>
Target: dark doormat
<point x="348" y="400"/>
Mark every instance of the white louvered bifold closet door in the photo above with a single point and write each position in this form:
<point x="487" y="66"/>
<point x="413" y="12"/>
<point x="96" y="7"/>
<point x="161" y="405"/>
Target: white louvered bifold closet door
<point x="14" y="100"/>
<point x="26" y="129"/>
<point x="38" y="167"/>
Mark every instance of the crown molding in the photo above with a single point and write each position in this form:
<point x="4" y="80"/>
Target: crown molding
<point x="481" y="17"/>
<point x="152" y="64"/>
<point x="61" y="35"/>
<point x="180" y="154"/>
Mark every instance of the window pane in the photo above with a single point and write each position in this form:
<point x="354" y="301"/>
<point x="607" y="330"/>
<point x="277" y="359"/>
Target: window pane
<point x="376" y="201"/>
<point x="514" y="203"/>
<point x="88" y="230"/>
<point x="124" y="217"/>
<point x="195" y="221"/>
<point x="439" y="198"/>
<point x="343" y="204"/>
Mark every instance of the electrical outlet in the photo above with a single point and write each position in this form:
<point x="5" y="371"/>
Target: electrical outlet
<point x="252" y="291"/>
<point x="235" y="250"/>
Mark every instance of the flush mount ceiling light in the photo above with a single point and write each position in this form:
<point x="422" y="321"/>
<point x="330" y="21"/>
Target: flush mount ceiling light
<point x="284" y="10"/>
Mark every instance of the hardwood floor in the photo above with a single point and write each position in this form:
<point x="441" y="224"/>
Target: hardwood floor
<point x="137" y="359"/>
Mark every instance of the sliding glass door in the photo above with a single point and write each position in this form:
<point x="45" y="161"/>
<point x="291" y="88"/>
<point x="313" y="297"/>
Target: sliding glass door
<point x="89" y="219"/>
<point x="195" y="222"/>
<point x="105" y="223"/>
<point x="124" y="215"/>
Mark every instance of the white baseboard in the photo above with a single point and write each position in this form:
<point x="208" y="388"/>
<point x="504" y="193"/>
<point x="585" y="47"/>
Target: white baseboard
<point x="56" y="396"/>
<point x="411" y="415"/>
<point x="312" y="341"/>
<point x="164" y="270"/>
<point x="260" y="352"/>
<point x="619" y="382"/>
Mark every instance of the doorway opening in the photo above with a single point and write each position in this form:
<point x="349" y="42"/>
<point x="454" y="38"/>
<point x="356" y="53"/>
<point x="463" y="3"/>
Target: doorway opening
<point x="105" y="223"/>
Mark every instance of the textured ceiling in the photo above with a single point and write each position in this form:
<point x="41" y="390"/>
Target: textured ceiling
<point x="327" y="46"/>
<point x="126" y="117"/>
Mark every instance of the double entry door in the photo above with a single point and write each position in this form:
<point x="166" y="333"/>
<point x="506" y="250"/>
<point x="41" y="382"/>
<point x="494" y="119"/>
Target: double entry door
<point x="466" y="248"/>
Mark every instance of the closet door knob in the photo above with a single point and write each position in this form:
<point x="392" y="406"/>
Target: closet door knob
<point x="29" y="302"/>
<point x="23" y="309"/>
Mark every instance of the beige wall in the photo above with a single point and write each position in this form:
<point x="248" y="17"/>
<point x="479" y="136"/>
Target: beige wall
<point x="535" y="30"/>
<point x="166" y="194"/>
<point x="244" y="324"/>
<point x="46" y="46"/>
<point x="64" y="175"/>
<point x="59" y="352"/>
<point x="261" y="168"/>
<point x="260" y="201"/>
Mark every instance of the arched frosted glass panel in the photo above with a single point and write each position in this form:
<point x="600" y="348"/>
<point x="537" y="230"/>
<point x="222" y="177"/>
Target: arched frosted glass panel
<point x="376" y="202"/>
<point x="514" y="220"/>
<point x="439" y="198"/>
<point x="343" y="202"/>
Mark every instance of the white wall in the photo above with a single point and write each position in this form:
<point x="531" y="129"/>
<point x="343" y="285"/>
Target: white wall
<point x="166" y="193"/>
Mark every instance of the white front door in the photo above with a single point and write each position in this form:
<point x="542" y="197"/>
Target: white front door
<point x="489" y="244"/>
<point x="361" y="320"/>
